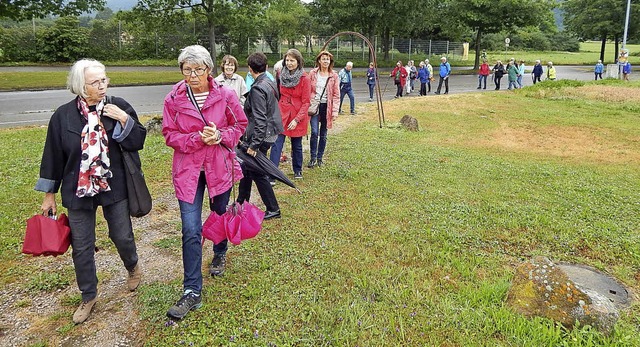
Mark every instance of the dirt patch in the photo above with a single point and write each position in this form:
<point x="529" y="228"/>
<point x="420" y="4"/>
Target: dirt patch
<point x="566" y="142"/>
<point x="615" y="94"/>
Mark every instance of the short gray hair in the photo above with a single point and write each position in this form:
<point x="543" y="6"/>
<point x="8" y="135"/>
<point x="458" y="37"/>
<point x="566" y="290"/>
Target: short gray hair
<point x="349" y="63"/>
<point x="195" y="54"/>
<point x="75" y="80"/>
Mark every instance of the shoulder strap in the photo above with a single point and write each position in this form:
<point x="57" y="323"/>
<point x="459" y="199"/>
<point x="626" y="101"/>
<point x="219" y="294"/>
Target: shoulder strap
<point x="325" y="87"/>
<point x="192" y="98"/>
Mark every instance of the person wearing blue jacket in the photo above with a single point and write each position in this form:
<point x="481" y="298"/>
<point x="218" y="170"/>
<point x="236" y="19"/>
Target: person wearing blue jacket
<point x="599" y="69"/>
<point x="537" y="72"/>
<point x="445" y="71"/>
<point x="423" y="75"/>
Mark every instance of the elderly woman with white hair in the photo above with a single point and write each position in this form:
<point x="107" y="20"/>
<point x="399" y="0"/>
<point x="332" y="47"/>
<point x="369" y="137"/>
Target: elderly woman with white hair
<point x="537" y="72"/>
<point x="201" y="121"/>
<point x="90" y="173"/>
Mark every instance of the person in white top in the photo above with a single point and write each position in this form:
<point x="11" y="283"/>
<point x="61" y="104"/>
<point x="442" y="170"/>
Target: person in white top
<point x="230" y="78"/>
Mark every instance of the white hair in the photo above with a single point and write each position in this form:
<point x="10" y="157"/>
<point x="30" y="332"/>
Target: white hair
<point x="75" y="80"/>
<point x="538" y="61"/>
<point x="443" y="58"/>
<point x="349" y="63"/>
<point x="550" y="63"/>
<point x="195" y="54"/>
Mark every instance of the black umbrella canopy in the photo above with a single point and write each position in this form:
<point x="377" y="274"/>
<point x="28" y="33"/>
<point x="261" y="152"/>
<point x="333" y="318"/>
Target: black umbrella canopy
<point x="260" y="163"/>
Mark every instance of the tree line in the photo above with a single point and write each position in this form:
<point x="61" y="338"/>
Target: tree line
<point x="45" y="31"/>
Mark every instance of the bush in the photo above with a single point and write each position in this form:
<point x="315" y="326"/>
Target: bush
<point x="564" y="41"/>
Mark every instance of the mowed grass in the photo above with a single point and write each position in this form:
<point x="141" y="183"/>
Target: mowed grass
<point x="410" y="238"/>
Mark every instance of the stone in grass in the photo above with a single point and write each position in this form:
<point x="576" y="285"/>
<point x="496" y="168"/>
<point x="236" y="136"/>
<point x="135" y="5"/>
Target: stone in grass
<point x="567" y="294"/>
<point x="409" y="123"/>
<point x="154" y="125"/>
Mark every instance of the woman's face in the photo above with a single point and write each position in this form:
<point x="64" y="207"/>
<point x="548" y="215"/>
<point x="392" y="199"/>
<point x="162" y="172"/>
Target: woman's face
<point x="196" y="76"/>
<point x="229" y="68"/>
<point x="325" y="61"/>
<point x="96" y="83"/>
<point x="399" y="63"/>
<point x="291" y="63"/>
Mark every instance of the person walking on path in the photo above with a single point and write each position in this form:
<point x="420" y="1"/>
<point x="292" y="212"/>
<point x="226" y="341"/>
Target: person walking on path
<point x="229" y="77"/>
<point x="445" y="72"/>
<point x="431" y="77"/>
<point x="498" y="72"/>
<point x="83" y="159"/>
<point x="413" y="74"/>
<point x="598" y="69"/>
<point x="521" y="68"/>
<point x="537" y="72"/>
<point x="265" y="123"/>
<point x="626" y="71"/>
<point x="294" y="107"/>
<point x="323" y="78"/>
<point x="371" y="80"/>
<point x="345" y="87"/>
<point x="423" y="75"/>
<point x="483" y="73"/>
<point x="512" y="71"/>
<point x="551" y="71"/>
<point x="201" y="120"/>
<point x="399" y="75"/>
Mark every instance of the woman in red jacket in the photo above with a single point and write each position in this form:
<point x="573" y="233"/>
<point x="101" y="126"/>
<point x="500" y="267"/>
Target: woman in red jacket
<point x="399" y="75"/>
<point x="294" y="105"/>
<point x="483" y="73"/>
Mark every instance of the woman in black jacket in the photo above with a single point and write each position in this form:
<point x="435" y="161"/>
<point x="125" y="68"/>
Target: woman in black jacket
<point x="498" y="72"/>
<point x="82" y="158"/>
<point x="265" y="123"/>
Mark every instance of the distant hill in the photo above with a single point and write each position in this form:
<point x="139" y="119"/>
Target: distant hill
<point x="116" y="5"/>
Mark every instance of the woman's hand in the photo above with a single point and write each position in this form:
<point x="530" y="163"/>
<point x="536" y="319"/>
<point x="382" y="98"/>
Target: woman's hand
<point x="210" y="135"/>
<point x="49" y="203"/>
<point x="114" y="112"/>
<point x="292" y="125"/>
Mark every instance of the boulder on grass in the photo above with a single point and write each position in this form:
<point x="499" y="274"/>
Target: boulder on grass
<point x="409" y="123"/>
<point x="567" y="294"/>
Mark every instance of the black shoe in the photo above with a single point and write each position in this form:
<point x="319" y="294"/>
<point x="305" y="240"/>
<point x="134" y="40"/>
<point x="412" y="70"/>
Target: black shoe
<point x="312" y="163"/>
<point x="478" y="88"/>
<point x="320" y="163"/>
<point x="272" y="214"/>
<point x="437" y="93"/>
<point x="216" y="268"/>
<point x="484" y="88"/>
<point x="446" y="93"/>
<point x="188" y="302"/>
<point x="297" y="175"/>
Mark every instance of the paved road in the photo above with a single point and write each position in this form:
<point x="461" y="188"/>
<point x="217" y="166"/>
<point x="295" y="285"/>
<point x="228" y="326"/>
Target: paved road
<point x="36" y="107"/>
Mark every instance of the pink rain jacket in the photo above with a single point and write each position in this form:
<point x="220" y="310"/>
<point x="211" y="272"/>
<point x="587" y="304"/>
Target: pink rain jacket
<point x="181" y="123"/>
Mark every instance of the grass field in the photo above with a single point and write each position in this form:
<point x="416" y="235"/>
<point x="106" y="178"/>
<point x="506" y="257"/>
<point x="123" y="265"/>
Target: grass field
<point x="403" y="238"/>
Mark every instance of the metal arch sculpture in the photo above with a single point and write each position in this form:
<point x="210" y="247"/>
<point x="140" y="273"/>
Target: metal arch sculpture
<point x="372" y="54"/>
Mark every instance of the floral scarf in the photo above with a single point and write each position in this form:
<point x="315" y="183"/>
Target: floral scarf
<point x="95" y="163"/>
<point x="289" y="79"/>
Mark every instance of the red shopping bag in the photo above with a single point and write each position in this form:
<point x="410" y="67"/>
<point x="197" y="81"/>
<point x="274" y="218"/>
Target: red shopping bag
<point x="47" y="236"/>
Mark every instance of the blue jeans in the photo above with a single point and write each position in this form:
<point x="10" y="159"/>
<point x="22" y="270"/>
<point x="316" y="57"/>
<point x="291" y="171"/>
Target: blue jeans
<point x="371" y="87"/>
<point x="191" y="215"/>
<point x="480" y="79"/>
<point x="512" y="84"/>
<point x="317" y="146"/>
<point x="520" y="81"/>
<point x="296" y="152"/>
<point x="352" y="100"/>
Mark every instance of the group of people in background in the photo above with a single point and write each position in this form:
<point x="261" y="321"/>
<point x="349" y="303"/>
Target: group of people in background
<point x="515" y="72"/>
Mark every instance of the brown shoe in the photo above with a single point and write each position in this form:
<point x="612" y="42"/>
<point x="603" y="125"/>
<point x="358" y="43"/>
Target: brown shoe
<point x="84" y="311"/>
<point x="135" y="276"/>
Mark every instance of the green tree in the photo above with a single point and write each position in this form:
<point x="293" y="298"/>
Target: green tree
<point x="64" y="42"/>
<point x="287" y="19"/>
<point x="20" y="10"/>
<point x="600" y="19"/>
<point x="493" y="16"/>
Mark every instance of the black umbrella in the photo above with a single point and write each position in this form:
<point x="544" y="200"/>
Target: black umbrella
<point x="260" y="163"/>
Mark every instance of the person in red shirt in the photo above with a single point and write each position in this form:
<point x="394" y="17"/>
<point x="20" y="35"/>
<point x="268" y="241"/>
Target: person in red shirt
<point x="399" y="75"/>
<point x="483" y="73"/>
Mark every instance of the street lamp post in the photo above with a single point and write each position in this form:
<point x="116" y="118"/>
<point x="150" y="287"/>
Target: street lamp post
<point x="626" y="25"/>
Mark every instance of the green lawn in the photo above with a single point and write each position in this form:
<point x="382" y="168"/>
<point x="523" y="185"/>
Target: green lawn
<point x="406" y="239"/>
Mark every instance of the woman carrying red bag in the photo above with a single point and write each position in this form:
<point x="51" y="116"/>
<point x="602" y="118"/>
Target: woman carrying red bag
<point x="83" y="159"/>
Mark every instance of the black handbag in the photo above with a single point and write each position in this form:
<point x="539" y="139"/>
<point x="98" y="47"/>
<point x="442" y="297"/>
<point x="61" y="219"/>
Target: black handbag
<point x="137" y="191"/>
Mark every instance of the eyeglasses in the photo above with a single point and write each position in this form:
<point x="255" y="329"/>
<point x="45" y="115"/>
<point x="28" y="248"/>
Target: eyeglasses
<point x="199" y="71"/>
<point x="97" y="83"/>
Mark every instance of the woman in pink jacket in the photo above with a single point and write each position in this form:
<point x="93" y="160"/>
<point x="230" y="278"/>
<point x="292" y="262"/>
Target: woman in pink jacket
<point x="325" y="86"/>
<point x="399" y="75"/>
<point x="201" y="121"/>
<point x="294" y="107"/>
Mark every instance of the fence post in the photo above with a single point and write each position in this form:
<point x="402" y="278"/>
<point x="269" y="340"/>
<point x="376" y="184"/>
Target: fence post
<point x="247" y="45"/>
<point x="409" y="49"/>
<point x="362" y="48"/>
<point x="375" y="47"/>
<point x="429" y="48"/>
<point x="447" y="47"/>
